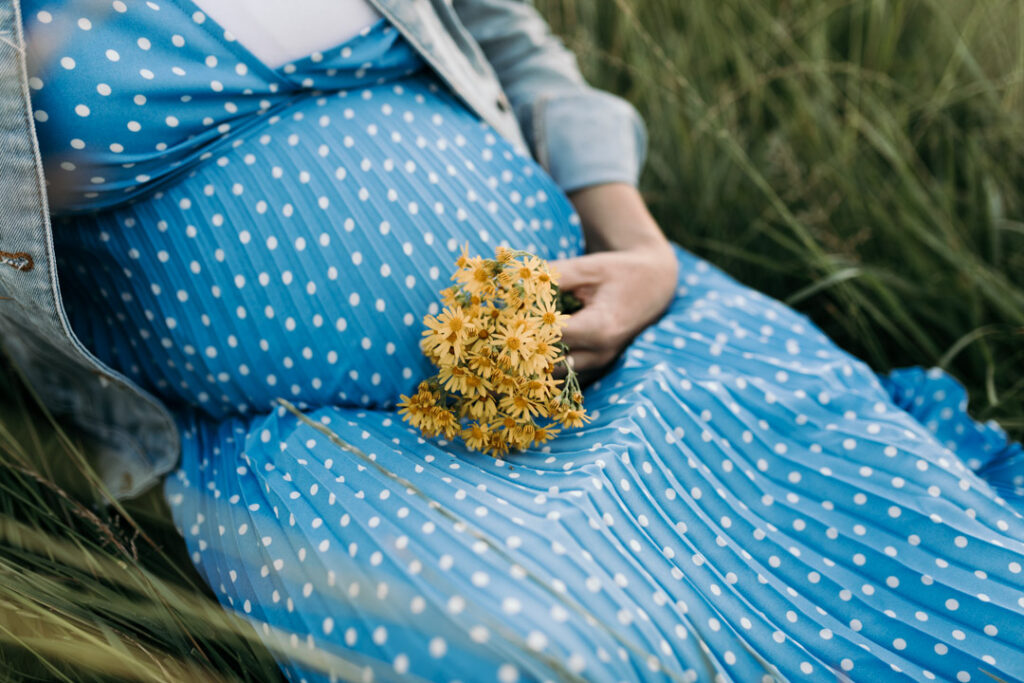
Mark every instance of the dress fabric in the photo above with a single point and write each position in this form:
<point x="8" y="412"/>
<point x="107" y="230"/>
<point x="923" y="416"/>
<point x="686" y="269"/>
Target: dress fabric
<point x="749" y="502"/>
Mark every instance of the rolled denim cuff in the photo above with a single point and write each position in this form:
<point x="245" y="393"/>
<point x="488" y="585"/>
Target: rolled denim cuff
<point x="587" y="138"/>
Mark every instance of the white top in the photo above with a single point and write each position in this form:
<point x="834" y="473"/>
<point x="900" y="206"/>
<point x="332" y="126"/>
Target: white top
<point x="278" y="32"/>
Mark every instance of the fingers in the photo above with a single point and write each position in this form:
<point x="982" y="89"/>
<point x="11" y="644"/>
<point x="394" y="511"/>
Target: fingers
<point x="579" y="271"/>
<point x="588" y="333"/>
<point x="587" y="328"/>
<point x="585" y="360"/>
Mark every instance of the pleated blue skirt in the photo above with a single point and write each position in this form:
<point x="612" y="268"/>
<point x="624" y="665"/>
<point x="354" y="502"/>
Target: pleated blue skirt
<point x="749" y="503"/>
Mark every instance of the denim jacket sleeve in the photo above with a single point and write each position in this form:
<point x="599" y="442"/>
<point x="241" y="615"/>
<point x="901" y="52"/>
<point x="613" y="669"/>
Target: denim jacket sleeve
<point x="581" y="135"/>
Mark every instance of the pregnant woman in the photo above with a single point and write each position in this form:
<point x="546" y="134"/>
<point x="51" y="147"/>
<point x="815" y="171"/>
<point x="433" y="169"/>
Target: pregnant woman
<point x="261" y="201"/>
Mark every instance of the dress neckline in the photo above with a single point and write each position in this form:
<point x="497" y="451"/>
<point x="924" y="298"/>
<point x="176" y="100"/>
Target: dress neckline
<point x="280" y="75"/>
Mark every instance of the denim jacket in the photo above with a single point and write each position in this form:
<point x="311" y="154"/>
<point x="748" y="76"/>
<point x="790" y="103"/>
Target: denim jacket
<point x="498" y="56"/>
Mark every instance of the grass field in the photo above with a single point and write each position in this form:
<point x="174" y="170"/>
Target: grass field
<point x="862" y="160"/>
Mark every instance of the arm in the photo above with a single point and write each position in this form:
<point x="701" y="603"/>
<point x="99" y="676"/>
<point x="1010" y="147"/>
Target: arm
<point x="593" y="144"/>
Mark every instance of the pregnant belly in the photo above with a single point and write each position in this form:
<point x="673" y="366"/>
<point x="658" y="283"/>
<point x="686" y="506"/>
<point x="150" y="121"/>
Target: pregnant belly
<point x="299" y="260"/>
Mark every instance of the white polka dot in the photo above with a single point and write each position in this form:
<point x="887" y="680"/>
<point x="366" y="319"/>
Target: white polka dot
<point x="438" y="647"/>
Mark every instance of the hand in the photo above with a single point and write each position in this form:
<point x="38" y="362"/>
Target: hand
<point x="624" y="284"/>
<point x="622" y="293"/>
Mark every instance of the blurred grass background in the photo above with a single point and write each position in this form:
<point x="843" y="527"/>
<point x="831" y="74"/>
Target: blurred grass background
<point x="862" y="160"/>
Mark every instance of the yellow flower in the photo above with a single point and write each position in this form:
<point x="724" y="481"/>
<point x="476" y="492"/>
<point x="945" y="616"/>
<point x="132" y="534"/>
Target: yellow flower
<point x="521" y="435"/>
<point x="477" y="436"/>
<point x="572" y="417"/>
<point x="503" y="254"/>
<point x="521" y="406"/>
<point x="545" y="282"/>
<point x="445" y="422"/>
<point x="514" y="341"/>
<point x="475" y="277"/>
<point x="452" y="320"/>
<point x="476" y="387"/>
<point x="542" y="387"/>
<point x="428" y="423"/>
<point x="464" y="258"/>
<point x="543" y="355"/>
<point x="450" y="296"/>
<point x="527" y="271"/>
<point x="523" y="318"/>
<point x="452" y="378"/>
<point x="484" y="408"/>
<point x="542" y="435"/>
<point x="447" y="333"/>
<point x="479" y="360"/>
<point x="505" y="383"/>
<point x="548" y="315"/>
<point x="413" y="411"/>
<point x="498" y="445"/>
<point x="514" y="297"/>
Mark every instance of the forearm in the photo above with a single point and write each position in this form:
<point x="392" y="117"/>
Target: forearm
<point x="615" y="218"/>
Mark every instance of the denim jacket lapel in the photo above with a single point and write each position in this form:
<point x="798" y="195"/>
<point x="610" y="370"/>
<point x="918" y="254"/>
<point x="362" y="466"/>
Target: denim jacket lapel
<point x="434" y="29"/>
<point x="136" y="438"/>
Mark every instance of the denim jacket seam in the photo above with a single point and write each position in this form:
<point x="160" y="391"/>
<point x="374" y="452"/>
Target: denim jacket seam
<point x="540" y="133"/>
<point x="431" y="58"/>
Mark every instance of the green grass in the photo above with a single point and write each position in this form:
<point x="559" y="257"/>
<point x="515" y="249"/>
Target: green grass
<point x="861" y="160"/>
<point x="92" y="593"/>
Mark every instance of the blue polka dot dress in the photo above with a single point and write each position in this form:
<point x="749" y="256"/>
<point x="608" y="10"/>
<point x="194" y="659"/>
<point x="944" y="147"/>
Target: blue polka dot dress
<point x="749" y="503"/>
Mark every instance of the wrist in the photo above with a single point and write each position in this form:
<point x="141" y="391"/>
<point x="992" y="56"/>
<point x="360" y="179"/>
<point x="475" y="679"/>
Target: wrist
<point x="615" y="218"/>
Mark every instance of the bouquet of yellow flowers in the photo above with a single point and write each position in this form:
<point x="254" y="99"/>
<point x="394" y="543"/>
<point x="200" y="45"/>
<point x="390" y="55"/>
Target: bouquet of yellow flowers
<point x="497" y="344"/>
